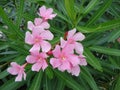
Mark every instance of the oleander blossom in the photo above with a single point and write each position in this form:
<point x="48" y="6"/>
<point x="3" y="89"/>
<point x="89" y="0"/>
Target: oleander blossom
<point x="39" y="40"/>
<point x="64" y="59"/>
<point x="18" y="70"/>
<point x="38" y="24"/>
<point x="46" y="13"/>
<point x="38" y="59"/>
<point x="73" y="38"/>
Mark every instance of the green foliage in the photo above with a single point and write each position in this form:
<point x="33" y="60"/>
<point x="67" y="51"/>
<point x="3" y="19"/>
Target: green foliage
<point x="99" y="20"/>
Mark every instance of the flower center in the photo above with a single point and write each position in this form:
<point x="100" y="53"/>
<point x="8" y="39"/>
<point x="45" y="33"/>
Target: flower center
<point x="63" y="58"/>
<point x="38" y="39"/>
<point x="71" y="41"/>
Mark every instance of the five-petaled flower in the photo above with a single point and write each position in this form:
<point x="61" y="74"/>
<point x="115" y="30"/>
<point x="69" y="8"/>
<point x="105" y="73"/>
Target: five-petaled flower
<point x="38" y="60"/>
<point x="72" y="38"/>
<point x="38" y="40"/>
<point x="18" y="70"/>
<point x="46" y="13"/>
<point x="64" y="59"/>
<point x="38" y="24"/>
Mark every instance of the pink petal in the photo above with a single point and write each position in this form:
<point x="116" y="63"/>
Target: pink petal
<point x="71" y="33"/>
<point x="55" y="62"/>
<point x="37" y="30"/>
<point x="47" y="35"/>
<point x="52" y="16"/>
<point x="43" y="55"/>
<point x="29" y="38"/>
<point x="42" y="11"/>
<point x="12" y="71"/>
<point x="48" y="12"/>
<point x="36" y="67"/>
<point x="62" y="42"/>
<point x="79" y="36"/>
<point x="30" y="25"/>
<point x="79" y="48"/>
<point x="38" y="21"/>
<point x="35" y="48"/>
<point x="31" y="59"/>
<point x="14" y="64"/>
<point x="19" y="77"/>
<point x="45" y="25"/>
<point x="82" y="60"/>
<point x="46" y="46"/>
<point x="56" y="52"/>
<point x="65" y="66"/>
<point x="24" y="75"/>
<point x="68" y="49"/>
<point x="75" y="70"/>
<point x="74" y="60"/>
<point x="44" y="65"/>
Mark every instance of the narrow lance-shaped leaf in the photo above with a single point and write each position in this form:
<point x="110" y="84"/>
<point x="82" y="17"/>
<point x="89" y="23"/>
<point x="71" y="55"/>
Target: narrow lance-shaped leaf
<point x="114" y="35"/>
<point x="20" y="10"/>
<point x="104" y="50"/>
<point x="69" y="81"/>
<point x="90" y="6"/>
<point x="99" y="12"/>
<point x="88" y="77"/>
<point x="10" y="24"/>
<point x="36" y="81"/>
<point x="69" y="5"/>
<point x="92" y="60"/>
<point x="117" y="86"/>
<point x="100" y="27"/>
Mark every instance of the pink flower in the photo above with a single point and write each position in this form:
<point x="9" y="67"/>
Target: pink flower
<point x="38" y="24"/>
<point x="38" y="40"/>
<point x="72" y="39"/>
<point x="46" y="13"/>
<point x="17" y="70"/>
<point x="38" y="60"/>
<point x="64" y="59"/>
<point x="75" y="70"/>
<point x="82" y="60"/>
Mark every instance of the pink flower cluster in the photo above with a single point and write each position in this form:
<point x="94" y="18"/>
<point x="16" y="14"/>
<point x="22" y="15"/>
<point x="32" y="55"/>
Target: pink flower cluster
<point x="67" y="56"/>
<point x="64" y="57"/>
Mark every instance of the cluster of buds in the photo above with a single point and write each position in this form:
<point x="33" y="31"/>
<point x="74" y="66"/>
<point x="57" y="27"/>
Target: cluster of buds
<point x="66" y="56"/>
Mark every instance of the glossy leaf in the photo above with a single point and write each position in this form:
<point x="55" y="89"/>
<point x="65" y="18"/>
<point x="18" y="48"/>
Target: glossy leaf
<point x="104" y="50"/>
<point x="92" y="60"/>
<point x="36" y="81"/>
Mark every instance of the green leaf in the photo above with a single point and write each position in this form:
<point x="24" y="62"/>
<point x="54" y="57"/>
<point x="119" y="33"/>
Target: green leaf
<point x="11" y="85"/>
<point x="3" y="74"/>
<point x="49" y="73"/>
<point x="92" y="60"/>
<point x="69" y="5"/>
<point x="36" y="81"/>
<point x="12" y="27"/>
<point x="60" y="85"/>
<point x="114" y="35"/>
<point x="20" y="11"/>
<point x="69" y="81"/>
<point x="99" y="12"/>
<point x="104" y="50"/>
<point x="100" y="27"/>
<point x="88" y="77"/>
<point x="90" y="6"/>
<point x="3" y="47"/>
<point x="117" y="86"/>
